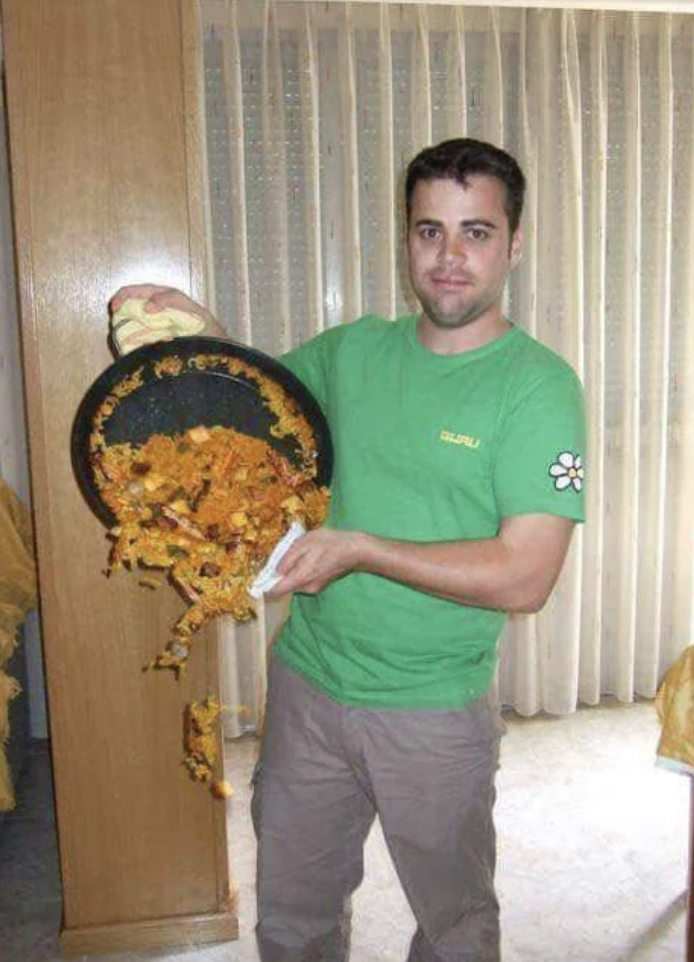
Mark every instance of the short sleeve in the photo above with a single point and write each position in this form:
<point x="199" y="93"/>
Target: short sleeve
<point x="309" y="363"/>
<point x="540" y="462"/>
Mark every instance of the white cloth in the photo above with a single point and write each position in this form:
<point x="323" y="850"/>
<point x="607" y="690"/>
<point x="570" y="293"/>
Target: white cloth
<point x="269" y="577"/>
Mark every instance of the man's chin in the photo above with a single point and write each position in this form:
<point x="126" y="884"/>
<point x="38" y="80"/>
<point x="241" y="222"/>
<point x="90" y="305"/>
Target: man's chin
<point x="450" y="322"/>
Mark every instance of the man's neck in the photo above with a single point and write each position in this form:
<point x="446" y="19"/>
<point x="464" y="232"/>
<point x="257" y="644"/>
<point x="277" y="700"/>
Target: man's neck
<point x="459" y="340"/>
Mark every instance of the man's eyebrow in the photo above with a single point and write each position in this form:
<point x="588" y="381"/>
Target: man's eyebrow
<point x="479" y="222"/>
<point x="472" y="222"/>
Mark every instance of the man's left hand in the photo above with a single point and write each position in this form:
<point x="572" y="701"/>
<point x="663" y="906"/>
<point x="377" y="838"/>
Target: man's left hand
<point x="321" y="556"/>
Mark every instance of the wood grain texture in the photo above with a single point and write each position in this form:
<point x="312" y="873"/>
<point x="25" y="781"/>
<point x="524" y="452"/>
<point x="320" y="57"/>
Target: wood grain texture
<point x="148" y="935"/>
<point x="105" y="170"/>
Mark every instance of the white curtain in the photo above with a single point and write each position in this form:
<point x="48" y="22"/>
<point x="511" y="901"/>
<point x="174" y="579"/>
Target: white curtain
<point x="312" y="111"/>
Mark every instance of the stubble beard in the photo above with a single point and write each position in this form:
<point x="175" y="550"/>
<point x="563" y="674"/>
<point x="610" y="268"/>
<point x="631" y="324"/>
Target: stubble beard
<point x="458" y="317"/>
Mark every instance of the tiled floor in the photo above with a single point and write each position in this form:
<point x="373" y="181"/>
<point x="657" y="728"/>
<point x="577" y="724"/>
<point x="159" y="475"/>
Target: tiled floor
<point x="30" y="898"/>
<point x="592" y="853"/>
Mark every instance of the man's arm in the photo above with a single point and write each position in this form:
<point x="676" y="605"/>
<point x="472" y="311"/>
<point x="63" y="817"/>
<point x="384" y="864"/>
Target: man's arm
<point x="514" y="571"/>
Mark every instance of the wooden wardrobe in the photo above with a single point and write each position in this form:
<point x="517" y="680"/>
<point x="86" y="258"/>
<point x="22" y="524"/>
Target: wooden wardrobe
<point x="103" y="106"/>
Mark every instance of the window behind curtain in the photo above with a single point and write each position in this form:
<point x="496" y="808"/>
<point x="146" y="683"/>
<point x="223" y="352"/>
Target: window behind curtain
<point x="312" y="111"/>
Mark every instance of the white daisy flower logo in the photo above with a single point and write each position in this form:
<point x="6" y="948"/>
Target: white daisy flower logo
<point x="567" y="471"/>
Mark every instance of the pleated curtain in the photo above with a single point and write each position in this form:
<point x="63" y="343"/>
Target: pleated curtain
<point x="311" y="113"/>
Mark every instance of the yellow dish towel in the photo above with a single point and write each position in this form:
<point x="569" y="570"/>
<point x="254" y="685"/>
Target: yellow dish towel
<point x="675" y="707"/>
<point x="17" y="598"/>
<point x="132" y="327"/>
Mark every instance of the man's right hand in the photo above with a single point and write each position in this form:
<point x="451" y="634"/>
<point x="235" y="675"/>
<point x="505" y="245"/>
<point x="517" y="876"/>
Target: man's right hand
<point x="157" y="297"/>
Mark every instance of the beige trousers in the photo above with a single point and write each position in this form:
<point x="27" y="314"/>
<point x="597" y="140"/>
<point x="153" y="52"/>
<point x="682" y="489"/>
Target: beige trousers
<point x="325" y="771"/>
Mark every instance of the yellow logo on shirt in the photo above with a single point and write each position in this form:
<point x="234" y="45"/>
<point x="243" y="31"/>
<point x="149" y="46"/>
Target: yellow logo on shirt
<point x="450" y="437"/>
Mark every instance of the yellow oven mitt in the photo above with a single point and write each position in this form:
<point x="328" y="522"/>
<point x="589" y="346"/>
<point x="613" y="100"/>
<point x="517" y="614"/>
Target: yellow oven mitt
<point x="132" y="327"/>
<point x="675" y="709"/>
<point x="17" y="599"/>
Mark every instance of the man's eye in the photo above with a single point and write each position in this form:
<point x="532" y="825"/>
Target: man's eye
<point x="430" y="233"/>
<point x="478" y="233"/>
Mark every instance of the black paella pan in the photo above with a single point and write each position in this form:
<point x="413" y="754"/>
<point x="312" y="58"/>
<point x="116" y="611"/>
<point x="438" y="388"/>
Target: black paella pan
<point x="172" y="403"/>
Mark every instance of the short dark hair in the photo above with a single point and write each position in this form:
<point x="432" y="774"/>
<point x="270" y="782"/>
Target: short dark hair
<point x="463" y="157"/>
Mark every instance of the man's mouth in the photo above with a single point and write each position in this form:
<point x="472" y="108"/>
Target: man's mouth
<point x="452" y="282"/>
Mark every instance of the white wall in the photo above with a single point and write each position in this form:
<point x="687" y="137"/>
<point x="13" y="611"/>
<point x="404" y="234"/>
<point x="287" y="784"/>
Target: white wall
<point x="13" y="440"/>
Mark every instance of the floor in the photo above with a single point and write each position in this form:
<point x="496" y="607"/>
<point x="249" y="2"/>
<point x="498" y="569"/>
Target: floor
<point x="593" y="841"/>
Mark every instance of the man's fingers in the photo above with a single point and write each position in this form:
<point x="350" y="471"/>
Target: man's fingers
<point x="296" y="569"/>
<point x="290" y="560"/>
<point x="171" y="297"/>
<point x="157" y="297"/>
<point x="143" y="291"/>
<point x="286" y="585"/>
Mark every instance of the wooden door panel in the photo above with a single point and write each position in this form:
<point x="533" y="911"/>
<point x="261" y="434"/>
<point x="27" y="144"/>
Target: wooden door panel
<point x="106" y="190"/>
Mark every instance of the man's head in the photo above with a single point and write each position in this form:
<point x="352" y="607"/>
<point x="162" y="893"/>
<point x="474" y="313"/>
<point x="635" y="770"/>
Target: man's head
<point x="464" y="201"/>
<point x="458" y="160"/>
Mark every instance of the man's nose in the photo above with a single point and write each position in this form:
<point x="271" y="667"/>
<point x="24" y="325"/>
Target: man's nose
<point x="453" y="249"/>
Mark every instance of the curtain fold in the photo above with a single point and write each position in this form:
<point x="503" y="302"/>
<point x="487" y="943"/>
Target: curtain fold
<point x="594" y="276"/>
<point x="236" y="185"/>
<point x="384" y="277"/>
<point x="493" y="127"/>
<point x="312" y="111"/>
<point x="679" y="575"/>
<point x="421" y="99"/>
<point x="310" y="158"/>
<point x="626" y="432"/>
<point x="656" y="386"/>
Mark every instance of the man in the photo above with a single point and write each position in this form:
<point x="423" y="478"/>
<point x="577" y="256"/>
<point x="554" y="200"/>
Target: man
<point x="458" y="476"/>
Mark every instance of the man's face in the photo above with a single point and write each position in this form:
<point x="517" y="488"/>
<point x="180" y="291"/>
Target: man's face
<point x="460" y="251"/>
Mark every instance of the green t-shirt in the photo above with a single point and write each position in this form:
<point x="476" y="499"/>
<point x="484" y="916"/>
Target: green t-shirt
<point x="428" y="447"/>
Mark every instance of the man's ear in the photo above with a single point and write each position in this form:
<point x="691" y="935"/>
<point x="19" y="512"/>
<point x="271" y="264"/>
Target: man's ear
<point x="516" y="250"/>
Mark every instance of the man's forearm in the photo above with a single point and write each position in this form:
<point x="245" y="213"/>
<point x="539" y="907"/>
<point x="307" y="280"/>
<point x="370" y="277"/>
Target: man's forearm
<point x="475" y="573"/>
<point x="514" y="571"/>
<point x="485" y="574"/>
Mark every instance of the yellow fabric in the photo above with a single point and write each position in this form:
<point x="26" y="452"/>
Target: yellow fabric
<point x="675" y="707"/>
<point x="17" y="598"/>
<point x="132" y="326"/>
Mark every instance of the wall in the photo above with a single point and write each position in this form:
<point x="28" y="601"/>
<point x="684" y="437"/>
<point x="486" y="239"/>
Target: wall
<point x="13" y="437"/>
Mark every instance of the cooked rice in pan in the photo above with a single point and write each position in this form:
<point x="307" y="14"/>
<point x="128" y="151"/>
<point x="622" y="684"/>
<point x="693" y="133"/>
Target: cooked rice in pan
<point x="207" y="506"/>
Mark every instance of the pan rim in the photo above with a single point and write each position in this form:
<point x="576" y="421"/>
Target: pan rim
<point x="145" y="357"/>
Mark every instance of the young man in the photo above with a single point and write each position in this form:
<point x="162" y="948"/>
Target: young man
<point x="458" y="445"/>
